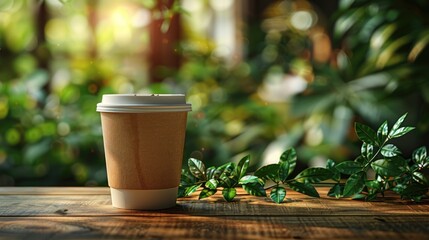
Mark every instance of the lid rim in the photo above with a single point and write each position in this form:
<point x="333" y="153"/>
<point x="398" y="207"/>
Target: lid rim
<point x="143" y="105"/>
<point x="143" y="109"/>
<point x="137" y="103"/>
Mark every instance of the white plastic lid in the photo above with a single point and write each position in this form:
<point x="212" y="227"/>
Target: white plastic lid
<point x="138" y="103"/>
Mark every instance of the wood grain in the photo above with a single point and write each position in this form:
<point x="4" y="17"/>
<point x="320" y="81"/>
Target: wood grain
<point x="80" y="202"/>
<point x="86" y="213"/>
<point x="54" y="191"/>
<point x="225" y="227"/>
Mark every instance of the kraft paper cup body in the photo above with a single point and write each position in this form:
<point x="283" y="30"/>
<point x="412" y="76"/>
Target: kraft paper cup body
<point x="143" y="141"/>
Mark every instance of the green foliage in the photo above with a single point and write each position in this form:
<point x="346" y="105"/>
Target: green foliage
<point x="393" y="172"/>
<point x="50" y="133"/>
<point x="381" y="53"/>
<point x="366" y="134"/>
<point x="303" y="188"/>
<point x="278" y="193"/>
<point x="45" y="141"/>
<point x="354" y="184"/>
<point x="229" y="175"/>
<point x="314" y="175"/>
<point x="279" y="174"/>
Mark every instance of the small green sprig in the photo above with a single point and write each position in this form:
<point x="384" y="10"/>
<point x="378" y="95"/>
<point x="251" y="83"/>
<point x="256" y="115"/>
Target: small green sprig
<point x="227" y="177"/>
<point x="279" y="174"/>
<point x="393" y="172"/>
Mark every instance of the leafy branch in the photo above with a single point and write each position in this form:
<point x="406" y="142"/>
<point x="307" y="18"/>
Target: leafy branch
<point x="280" y="172"/>
<point x="227" y="177"/>
<point x="393" y="172"/>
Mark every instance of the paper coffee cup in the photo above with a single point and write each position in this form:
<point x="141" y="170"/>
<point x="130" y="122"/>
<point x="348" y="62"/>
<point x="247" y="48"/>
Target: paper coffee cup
<point x="144" y="138"/>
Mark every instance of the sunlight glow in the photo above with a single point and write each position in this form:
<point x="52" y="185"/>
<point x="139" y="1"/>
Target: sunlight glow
<point x="302" y="20"/>
<point x="141" y="18"/>
<point x="278" y="87"/>
<point x="221" y="5"/>
<point x="121" y="24"/>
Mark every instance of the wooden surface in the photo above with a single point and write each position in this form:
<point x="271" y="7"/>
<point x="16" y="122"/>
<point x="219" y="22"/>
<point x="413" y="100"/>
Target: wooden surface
<point x="86" y="213"/>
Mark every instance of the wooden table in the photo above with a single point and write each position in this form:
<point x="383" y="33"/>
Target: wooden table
<point x="86" y="213"/>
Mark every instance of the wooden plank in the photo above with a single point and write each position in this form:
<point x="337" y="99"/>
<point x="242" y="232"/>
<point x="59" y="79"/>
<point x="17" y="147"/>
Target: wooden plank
<point x="54" y="191"/>
<point x="225" y="227"/>
<point x="296" y="205"/>
<point x="86" y="213"/>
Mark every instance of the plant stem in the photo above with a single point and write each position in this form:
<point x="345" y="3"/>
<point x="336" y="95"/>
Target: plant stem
<point x="376" y="153"/>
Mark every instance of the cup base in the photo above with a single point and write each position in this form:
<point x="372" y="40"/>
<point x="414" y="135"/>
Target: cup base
<point x="153" y="199"/>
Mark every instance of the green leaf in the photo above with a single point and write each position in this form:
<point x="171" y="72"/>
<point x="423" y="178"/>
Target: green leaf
<point x="354" y="184"/>
<point x="336" y="191"/>
<point x="420" y="178"/>
<point x="278" y="194"/>
<point x="336" y="175"/>
<point x="392" y="167"/>
<point x="360" y="159"/>
<point x="229" y="194"/>
<point x="187" y="179"/>
<point x="374" y="187"/>
<point x="181" y="192"/>
<point x="420" y="155"/>
<point x="367" y="151"/>
<point x="290" y="157"/>
<point x="401" y="131"/>
<point x="250" y="179"/>
<point x="366" y="134"/>
<point x="399" y="188"/>
<point x="210" y="172"/>
<point x="255" y="189"/>
<point x="330" y="165"/>
<point x="314" y="175"/>
<point x="358" y="196"/>
<point x="206" y="192"/>
<point x="382" y="132"/>
<point x="224" y="170"/>
<point x="390" y="150"/>
<point x="397" y="125"/>
<point x="414" y="167"/>
<point x="197" y="168"/>
<point x="227" y="181"/>
<point x="349" y="167"/>
<point x="373" y="184"/>
<point x="268" y="172"/>
<point x="242" y="166"/>
<point x="304" y="188"/>
<point x="283" y="171"/>
<point x="212" y="184"/>
<point x="191" y="189"/>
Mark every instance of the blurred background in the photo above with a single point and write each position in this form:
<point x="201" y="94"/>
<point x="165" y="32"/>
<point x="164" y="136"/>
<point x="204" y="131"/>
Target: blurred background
<point x="262" y="76"/>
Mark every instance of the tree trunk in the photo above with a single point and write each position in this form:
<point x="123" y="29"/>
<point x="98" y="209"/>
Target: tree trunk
<point x="41" y="51"/>
<point x="163" y="53"/>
